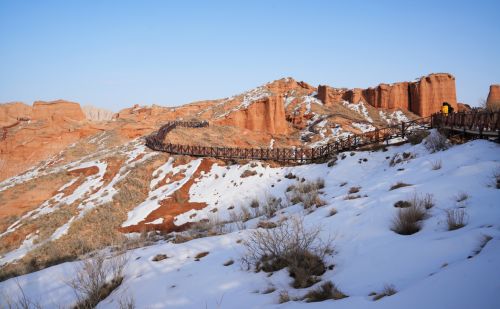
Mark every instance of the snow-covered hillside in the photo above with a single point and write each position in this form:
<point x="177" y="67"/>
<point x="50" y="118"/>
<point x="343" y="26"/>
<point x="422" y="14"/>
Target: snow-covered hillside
<point x="432" y="268"/>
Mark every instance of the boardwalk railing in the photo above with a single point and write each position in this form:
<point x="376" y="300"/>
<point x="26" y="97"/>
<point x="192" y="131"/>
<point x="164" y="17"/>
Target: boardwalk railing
<point x="487" y="122"/>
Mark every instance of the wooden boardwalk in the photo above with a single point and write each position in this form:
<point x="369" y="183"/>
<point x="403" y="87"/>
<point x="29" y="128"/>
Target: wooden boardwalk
<point x="485" y="124"/>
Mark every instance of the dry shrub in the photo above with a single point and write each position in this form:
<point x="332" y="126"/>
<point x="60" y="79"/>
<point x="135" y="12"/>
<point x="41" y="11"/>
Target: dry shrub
<point x="288" y="245"/>
<point x="398" y="185"/>
<point x="248" y="173"/>
<point x="416" y="137"/>
<point x="308" y="193"/>
<point x="266" y="225"/>
<point x="388" y="291"/>
<point x="402" y="204"/>
<point x="460" y="197"/>
<point x="228" y="262"/>
<point x="436" y="165"/>
<point x="96" y="278"/>
<point x="332" y="212"/>
<point x="284" y="297"/>
<point x="456" y="218"/>
<point x="352" y="196"/>
<point x="327" y="290"/>
<point x="200" y="255"/>
<point x="159" y="257"/>
<point x="272" y="205"/>
<point x="353" y="190"/>
<point x="436" y="142"/>
<point x="408" y="220"/>
<point x="254" y="203"/>
<point x="22" y="301"/>
<point x="496" y="178"/>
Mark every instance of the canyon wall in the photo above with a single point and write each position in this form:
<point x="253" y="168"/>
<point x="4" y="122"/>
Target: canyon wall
<point x="493" y="101"/>
<point x="422" y="97"/>
<point x="265" y="115"/>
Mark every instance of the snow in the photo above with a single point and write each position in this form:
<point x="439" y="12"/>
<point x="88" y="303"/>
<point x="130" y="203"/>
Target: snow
<point x="368" y="254"/>
<point x="363" y="127"/>
<point x="359" y="108"/>
<point x="18" y="253"/>
<point x="395" y="117"/>
<point x="152" y="203"/>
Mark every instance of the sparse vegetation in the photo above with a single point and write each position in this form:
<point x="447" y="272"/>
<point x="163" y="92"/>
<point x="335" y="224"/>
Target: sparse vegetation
<point x="436" y="165"/>
<point x="398" y="185"/>
<point x="327" y="290"/>
<point x="228" y="262"/>
<point x="200" y="255"/>
<point x="288" y="245"/>
<point x="461" y="196"/>
<point x="159" y="257"/>
<point x="408" y="220"/>
<point x="436" y="142"/>
<point x="353" y="190"/>
<point x="416" y="137"/>
<point x="284" y="297"/>
<point x="92" y="284"/>
<point x="456" y="218"/>
<point x="248" y="173"/>
<point x="307" y="193"/>
<point x="332" y="212"/>
<point x="388" y="291"/>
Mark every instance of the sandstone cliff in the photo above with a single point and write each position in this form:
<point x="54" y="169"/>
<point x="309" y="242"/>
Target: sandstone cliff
<point x="422" y="97"/>
<point x="264" y="115"/>
<point x="493" y="101"/>
<point x="97" y="114"/>
<point x="57" y="110"/>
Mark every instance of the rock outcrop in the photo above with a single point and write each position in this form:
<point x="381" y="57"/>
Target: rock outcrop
<point x="493" y="101"/>
<point x="422" y="97"/>
<point x="11" y="112"/>
<point x="57" y="110"/>
<point x="264" y="115"/>
<point x="97" y="114"/>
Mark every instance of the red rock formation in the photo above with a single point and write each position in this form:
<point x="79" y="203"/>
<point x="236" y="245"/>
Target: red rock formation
<point x="57" y="110"/>
<point x="493" y="101"/>
<point x="422" y="97"/>
<point x="265" y="115"/>
<point x="10" y="112"/>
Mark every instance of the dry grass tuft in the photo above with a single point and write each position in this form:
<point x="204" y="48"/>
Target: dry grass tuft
<point x="408" y="220"/>
<point x="327" y="290"/>
<point x="288" y="245"/>
<point x="398" y="185"/>
<point x="456" y="218"/>
<point x="388" y="291"/>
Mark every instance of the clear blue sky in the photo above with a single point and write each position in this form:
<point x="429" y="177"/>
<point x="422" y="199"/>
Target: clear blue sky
<point x="114" y="54"/>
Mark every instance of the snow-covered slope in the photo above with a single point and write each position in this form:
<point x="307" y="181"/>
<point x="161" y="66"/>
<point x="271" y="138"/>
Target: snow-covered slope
<point x="433" y="268"/>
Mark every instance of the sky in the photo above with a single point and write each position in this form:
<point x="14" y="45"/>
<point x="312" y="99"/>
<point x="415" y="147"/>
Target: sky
<point x="114" y="54"/>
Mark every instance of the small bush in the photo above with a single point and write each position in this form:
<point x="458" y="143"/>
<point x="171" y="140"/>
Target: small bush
<point x="332" y="212"/>
<point x="417" y="137"/>
<point x="388" y="291"/>
<point x="327" y="290"/>
<point x="436" y="142"/>
<point x="402" y="204"/>
<point x="353" y="190"/>
<point x="159" y="257"/>
<point x="284" y="297"/>
<point x="91" y="284"/>
<point x="352" y="196"/>
<point x="307" y="192"/>
<point x="408" y="220"/>
<point x="288" y="245"/>
<point x="248" y="173"/>
<point x="436" y="165"/>
<point x="273" y="204"/>
<point x="290" y="176"/>
<point x="398" y="185"/>
<point x="254" y="203"/>
<point x="266" y="225"/>
<point x="460" y="197"/>
<point x="229" y="262"/>
<point x="200" y="255"/>
<point x="456" y="218"/>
